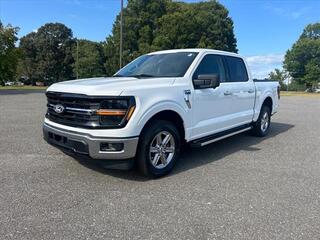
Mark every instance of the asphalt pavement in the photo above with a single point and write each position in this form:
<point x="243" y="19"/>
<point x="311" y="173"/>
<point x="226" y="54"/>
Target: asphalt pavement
<point x="242" y="187"/>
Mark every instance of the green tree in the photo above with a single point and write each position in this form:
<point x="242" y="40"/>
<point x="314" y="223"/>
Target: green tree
<point x="89" y="62"/>
<point x="302" y="60"/>
<point x="196" y="25"/>
<point x="48" y="53"/>
<point x="164" y="24"/>
<point x="279" y="75"/>
<point x="313" y="72"/>
<point x="8" y="53"/>
<point x="140" y="19"/>
<point x="28" y="62"/>
<point x="311" y="31"/>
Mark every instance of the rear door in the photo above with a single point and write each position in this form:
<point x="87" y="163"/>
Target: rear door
<point x="242" y="90"/>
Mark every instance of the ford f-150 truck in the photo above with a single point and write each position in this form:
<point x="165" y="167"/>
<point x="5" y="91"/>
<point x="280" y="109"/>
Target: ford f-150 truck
<point x="157" y="103"/>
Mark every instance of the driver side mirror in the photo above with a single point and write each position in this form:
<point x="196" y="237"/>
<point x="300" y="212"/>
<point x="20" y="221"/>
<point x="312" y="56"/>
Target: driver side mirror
<point x="206" y="81"/>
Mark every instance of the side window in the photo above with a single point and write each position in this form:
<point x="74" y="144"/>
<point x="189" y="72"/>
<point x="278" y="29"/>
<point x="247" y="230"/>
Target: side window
<point x="211" y="64"/>
<point x="237" y="69"/>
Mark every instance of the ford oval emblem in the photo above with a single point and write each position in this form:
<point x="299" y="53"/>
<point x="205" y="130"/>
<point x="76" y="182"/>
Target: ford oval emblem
<point x="59" y="108"/>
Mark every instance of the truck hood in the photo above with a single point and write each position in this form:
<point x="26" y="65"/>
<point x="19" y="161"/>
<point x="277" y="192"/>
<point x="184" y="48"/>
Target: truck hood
<point x="112" y="86"/>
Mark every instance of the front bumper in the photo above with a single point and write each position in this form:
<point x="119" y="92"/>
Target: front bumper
<point x="88" y="145"/>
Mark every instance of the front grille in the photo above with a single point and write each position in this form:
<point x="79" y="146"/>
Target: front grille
<point x="78" y="109"/>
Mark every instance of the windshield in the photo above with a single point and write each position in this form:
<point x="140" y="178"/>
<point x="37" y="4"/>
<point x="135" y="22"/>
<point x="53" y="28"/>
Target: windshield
<point x="159" y="65"/>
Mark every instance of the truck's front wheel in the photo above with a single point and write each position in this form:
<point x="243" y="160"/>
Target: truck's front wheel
<point x="158" y="148"/>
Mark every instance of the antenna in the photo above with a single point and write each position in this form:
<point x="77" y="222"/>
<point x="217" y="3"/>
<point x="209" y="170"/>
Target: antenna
<point x="121" y="30"/>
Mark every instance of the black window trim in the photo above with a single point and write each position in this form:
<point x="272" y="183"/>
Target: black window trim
<point x="228" y="75"/>
<point x="223" y="63"/>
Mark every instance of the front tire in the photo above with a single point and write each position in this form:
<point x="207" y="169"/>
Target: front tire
<point x="262" y="125"/>
<point x="158" y="149"/>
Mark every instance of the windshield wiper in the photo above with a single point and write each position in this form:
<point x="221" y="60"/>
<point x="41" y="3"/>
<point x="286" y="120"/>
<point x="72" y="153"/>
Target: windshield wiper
<point x="142" y="75"/>
<point x="117" y="75"/>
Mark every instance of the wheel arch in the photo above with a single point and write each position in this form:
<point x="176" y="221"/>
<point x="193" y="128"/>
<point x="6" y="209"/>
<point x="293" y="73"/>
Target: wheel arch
<point x="262" y="100"/>
<point x="171" y="116"/>
<point x="267" y="102"/>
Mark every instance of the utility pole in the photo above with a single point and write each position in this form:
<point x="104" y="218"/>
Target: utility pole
<point x="121" y="29"/>
<point x="77" y="59"/>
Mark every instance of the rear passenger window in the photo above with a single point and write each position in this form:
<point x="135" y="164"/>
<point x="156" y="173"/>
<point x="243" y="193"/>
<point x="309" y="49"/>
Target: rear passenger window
<point x="237" y="69"/>
<point x="211" y="64"/>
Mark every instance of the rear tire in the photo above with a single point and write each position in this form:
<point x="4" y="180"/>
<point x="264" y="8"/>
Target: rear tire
<point x="262" y="125"/>
<point x="158" y="149"/>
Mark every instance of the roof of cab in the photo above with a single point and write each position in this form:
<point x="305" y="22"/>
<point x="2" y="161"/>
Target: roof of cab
<point x="198" y="50"/>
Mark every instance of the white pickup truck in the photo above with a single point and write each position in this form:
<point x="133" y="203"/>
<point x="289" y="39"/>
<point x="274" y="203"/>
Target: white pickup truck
<point x="157" y="103"/>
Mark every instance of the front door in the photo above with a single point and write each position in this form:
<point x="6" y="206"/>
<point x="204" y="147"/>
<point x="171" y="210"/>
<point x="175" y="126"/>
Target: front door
<point x="213" y="109"/>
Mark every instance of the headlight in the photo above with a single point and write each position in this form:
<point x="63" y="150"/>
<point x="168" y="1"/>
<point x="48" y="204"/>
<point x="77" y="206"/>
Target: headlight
<point x="116" y="112"/>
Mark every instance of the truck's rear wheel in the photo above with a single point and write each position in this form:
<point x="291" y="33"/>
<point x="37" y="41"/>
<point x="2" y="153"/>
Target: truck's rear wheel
<point x="262" y="125"/>
<point x="158" y="149"/>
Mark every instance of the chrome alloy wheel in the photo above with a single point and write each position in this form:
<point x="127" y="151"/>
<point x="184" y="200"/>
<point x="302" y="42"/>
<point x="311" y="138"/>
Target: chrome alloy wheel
<point x="265" y="121"/>
<point x="162" y="149"/>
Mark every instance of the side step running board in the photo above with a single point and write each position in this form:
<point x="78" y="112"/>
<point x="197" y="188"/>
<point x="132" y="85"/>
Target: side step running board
<point x="219" y="136"/>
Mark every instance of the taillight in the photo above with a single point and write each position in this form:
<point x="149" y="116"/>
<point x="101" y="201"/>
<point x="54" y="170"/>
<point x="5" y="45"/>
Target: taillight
<point x="278" y="91"/>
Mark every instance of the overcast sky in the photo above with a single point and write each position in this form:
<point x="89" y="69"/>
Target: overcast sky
<point x="265" y="30"/>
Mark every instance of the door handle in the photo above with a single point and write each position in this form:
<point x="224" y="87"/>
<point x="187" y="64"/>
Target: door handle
<point x="227" y="93"/>
<point x="251" y="91"/>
